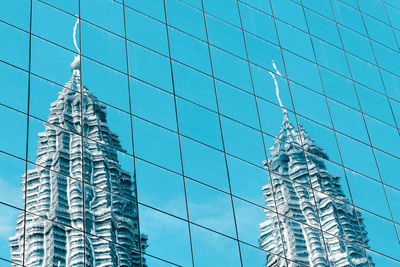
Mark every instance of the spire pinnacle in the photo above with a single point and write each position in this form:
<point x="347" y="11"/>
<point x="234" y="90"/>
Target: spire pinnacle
<point x="74" y="35"/>
<point x="284" y="111"/>
<point x="76" y="64"/>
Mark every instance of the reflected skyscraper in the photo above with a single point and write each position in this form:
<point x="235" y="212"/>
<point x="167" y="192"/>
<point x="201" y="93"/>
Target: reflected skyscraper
<point x="60" y="204"/>
<point x="308" y="199"/>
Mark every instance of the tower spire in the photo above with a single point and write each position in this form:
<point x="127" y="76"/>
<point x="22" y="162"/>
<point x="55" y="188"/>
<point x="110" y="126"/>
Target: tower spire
<point x="284" y="111"/>
<point x="76" y="64"/>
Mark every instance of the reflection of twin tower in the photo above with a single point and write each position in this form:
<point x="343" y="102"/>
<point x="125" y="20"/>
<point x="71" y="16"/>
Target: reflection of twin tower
<point x="59" y="205"/>
<point x="307" y="199"/>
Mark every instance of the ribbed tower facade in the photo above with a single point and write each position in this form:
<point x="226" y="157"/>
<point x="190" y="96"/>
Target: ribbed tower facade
<point x="110" y="221"/>
<point x="296" y="167"/>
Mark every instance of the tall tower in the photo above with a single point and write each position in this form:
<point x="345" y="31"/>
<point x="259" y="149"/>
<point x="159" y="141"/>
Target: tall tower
<point x="307" y="199"/>
<point x="59" y="202"/>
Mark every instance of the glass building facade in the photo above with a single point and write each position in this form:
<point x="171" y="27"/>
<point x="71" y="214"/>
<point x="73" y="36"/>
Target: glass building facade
<point x="199" y="133"/>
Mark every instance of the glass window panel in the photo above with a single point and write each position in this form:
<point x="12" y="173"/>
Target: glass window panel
<point x="295" y="40"/>
<point x="106" y="14"/>
<point x="289" y="12"/>
<point x="199" y="123"/>
<point x="8" y="221"/>
<point x="153" y="104"/>
<point x="247" y="180"/>
<point x="357" y="156"/>
<point x="117" y="122"/>
<point x="104" y="47"/>
<point x="16" y="13"/>
<point x="12" y="174"/>
<point x="257" y="22"/>
<point x="231" y="69"/>
<point x="150" y="67"/>
<point x="302" y="98"/>
<point x="302" y="71"/>
<point x="331" y="57"/>
<point x="194" y="3"/>
<point x="362" y="188"/>
<point x="156" y="145"/>
<point x="186" y="18"/>
<point x="396" y="110"/>
<point x="322" y="136"/>
<point x="237" y="105"/>
<point x="348" y="121"/>
<point x="366" y="73"/>
<point x="189" y="51"/>
<point x="146" y="31"/>
<point x="271" y="117"/>
<point x="117" y="165"/>
<point x="13" y="132"/>
<point x="381" y="260"/>
<point x="258" y="4"/>
<point x="392" y="84"/>
<point x="154" y="8"/>
<point x="204" y="164"/>
<point x="36" y="226"/>
<point x="339" y="88"/>
<point x="43" y="93"/>
<point x="338" y="170"/>
<point x="225" y="36"/>
<point x="248" y="219"/>
<point x="351" y="3"/>
<point x="321" y="6"/>
<point x="264" y="87"/>
<point x="286" y="222"/>
<point x="393" y="196"/>
<point x="224" y="9"/>
<point x="14" y="46"/>
<point x="243" y="142"/>
<point x="381" y="235"/>
<point x="194" y="86"/>
<point x="348" y="16"/>
<point x="14" y="87"/>
<point x="387" y="58"/>
<point x="108" y="85"/>
<point x="44" y="55"/>
<point x="252" y="256"/>
<point x="41" y="140"/>
<point x="322" y="28"/>
<point x="394" y="14"/>
<point x="70" y="6"/>
<point x="210" y="208"/>
<point x="161" y="189"/>
<point x="160" y="229"/>
<point x="388" y="168"/>
<point x="222" y="251"/>
<point x="262" y="53"/>
<point x="356" y="44"/>
<point x="375" y="8"/>
<point x="375" y="105"/>
<point x="380" y="32"/>
<point x="383" y="136"/>
<point x="55" y="26"/>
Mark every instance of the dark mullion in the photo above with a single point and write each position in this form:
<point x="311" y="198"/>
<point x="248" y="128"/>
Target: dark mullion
<point x="262" y="132"/>
<point x="359" y="103"/>
<point x="221" y="132"/>
<point x="134" y="178"/>
<point x="178" y="131"/>
<point x="335" y="133"/>
<point x="82" y="136"/>
<point x="298" y="127"/>
<point x="373" y="151"/>
<point x="27" y="129"/>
